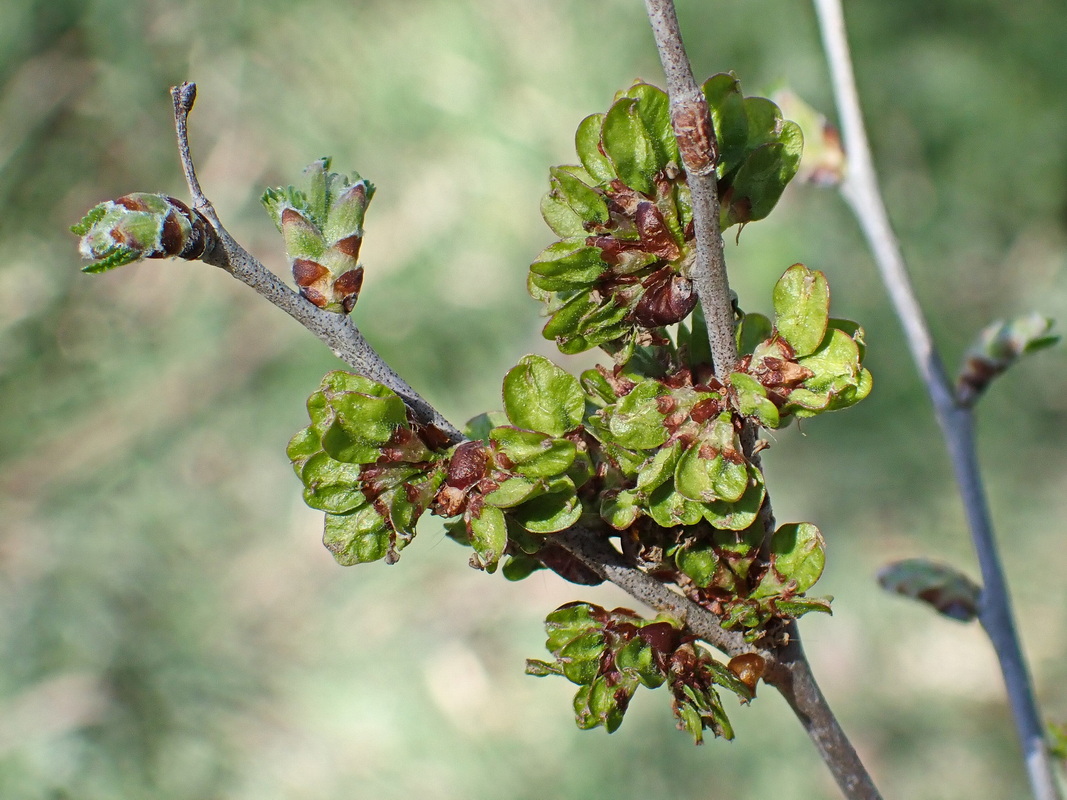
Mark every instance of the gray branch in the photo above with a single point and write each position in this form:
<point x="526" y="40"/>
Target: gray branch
<point x="791" y="672"/>
<point x="791" y="675"/>
<point x="861" y="192"/>
<point x="609" y="563"/>
<point x="337" y="331"/>
<point x="696" y="141"/>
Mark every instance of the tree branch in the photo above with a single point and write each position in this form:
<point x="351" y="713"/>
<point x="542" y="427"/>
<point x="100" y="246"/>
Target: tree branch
<point x="338" y="331"/>
<point x="609" y="564"/>
<point x="789" y="670"/>
<point x="696" y="142"/>
<point x="791" y="675"/>
<point x="862" y="194"/>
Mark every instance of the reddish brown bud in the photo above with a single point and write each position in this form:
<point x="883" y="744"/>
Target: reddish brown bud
<point x="467" y="465"/>
<point x="313" y="296"/>
<point x="350" y="282"/>
<point x="449" y="501"/>
<point x="655" y="235"/>
<point x="349" y="245"/>
<point x="696" y="137"/>
<point x="749" y="668"/>
<point x="665" y="404"/>
<point x="668" y="298"/>
<point x="662" y="637"/>
<point x="705" y="410"/>
<point x="306" y="272"/>
<point x="290" y="216"/>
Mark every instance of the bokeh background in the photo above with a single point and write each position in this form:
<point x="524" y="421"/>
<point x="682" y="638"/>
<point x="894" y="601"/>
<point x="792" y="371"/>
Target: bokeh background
<point x="170" y="626"/>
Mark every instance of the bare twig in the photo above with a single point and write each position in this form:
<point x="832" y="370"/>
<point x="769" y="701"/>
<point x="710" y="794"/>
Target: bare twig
<point x="791" y="675"/>
<point x="696" y="141"/>
<point x="338" y="331"/>
<point x="861" y="192"/>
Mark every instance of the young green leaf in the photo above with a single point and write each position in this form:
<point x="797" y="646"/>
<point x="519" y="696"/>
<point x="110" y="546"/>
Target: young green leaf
<point x="357" y="538"/>
<point x="540" y="396"/>
<point x="798" y="555"/>
<point x="637" y="421"/>
<point x="628" y="144"/>
<point x="488" y="536"/>
<point x="801" y="307"/>
<point x="533" y="454"/>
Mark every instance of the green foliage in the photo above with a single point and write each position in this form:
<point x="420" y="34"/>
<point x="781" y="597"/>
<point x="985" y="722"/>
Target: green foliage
<point x="609" y="654"/>
<point x="624" y="216"/>
<point x="365" y="464"/>
<point x="541" y="396"/>
<point x="650" y="451"/>
<point x="810" y="362"/>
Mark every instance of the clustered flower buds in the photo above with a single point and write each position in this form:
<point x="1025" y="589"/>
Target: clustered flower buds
<point x="609" y="654"/>
<point x="621" y="268"/>
<point x="649" y="451"/>
<point x="142" y="225"/>
<point x="323" y="231"/>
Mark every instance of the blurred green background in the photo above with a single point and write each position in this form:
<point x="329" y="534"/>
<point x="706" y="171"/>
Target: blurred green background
<point x="170" y="626"/>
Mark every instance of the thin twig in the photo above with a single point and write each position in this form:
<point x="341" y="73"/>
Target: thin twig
<point x="789" y="670"/>
<point x="861" y="192"/>
<point x="608" y="563"/>
<point x="696" y="141"/>
<point x="338" y="331"/>
<point x="791" y="675"/>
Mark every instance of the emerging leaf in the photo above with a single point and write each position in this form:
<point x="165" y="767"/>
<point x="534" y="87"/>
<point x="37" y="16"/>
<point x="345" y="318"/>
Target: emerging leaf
<point x="941" y="586"/>
<point x="540" y="396"/>
<point x="801" y="308"/>
<point x="997" y="348"/>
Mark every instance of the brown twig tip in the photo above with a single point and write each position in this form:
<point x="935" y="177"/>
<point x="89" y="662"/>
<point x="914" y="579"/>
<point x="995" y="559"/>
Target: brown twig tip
<point x="184" y="96"/>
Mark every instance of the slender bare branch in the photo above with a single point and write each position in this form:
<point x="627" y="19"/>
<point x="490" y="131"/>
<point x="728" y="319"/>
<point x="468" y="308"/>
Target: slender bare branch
<point x="338" y="331"/>
<point x="791" y="675"/>
<point x="696" y="141"/>
<point x="861" y="192"/>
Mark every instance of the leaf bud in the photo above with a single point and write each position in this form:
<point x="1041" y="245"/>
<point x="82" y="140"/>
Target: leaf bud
<point x="749" y="668"/>
<point x="142" y="225"/>
<point x="323" y="233"/>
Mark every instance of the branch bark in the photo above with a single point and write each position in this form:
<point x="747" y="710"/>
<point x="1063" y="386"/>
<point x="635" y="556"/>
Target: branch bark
<point x="863" y="196"/>
<point x="700" y="156"/>
<point x="337" y="331"/>
<point x="788" y="670"/>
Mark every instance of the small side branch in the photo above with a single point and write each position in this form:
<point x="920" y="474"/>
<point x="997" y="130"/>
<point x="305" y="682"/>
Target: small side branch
<point x="861" y="192"/>
<point x="696" y="141"/>
<point x="338" y="331"/>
